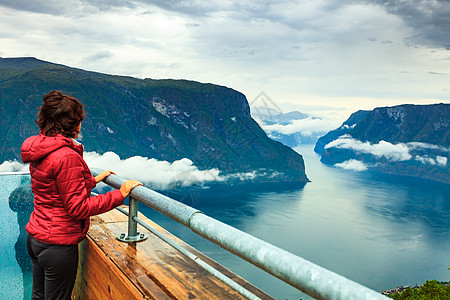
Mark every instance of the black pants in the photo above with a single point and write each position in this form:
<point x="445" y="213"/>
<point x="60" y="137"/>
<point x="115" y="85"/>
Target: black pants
<point x="54" y="269"/>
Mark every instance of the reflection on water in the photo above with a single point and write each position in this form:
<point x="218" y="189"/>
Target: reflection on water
<point x="412" y="200"/>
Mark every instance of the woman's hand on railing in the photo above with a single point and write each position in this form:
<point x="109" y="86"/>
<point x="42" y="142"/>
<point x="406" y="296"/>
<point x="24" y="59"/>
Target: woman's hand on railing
<point x="127" y="186"/>
<point x="103" y="175"/>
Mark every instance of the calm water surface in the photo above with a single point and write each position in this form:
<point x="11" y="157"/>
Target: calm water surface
<point x="381" y="231"/>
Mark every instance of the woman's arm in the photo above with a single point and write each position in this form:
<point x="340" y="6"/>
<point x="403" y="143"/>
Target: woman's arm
<point x="125" y="189"/>
<point x="103" y="175"/>
<point x="127" y="186"/>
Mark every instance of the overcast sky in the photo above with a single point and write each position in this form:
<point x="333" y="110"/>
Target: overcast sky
<point x="329" y="56"/>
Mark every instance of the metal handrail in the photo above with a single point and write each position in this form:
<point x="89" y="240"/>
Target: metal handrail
<point x="13" y="173"/>
<point x="240" y="289"/>
<point x="311" y="279"/>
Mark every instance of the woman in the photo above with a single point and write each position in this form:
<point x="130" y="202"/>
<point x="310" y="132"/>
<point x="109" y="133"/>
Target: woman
<point x="61" y="183"/>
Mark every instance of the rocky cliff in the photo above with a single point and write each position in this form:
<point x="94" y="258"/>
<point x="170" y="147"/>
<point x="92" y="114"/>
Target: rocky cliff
<point x="346" y="127"/>
<point x="409" y="140"/>
<point x="162" y="119"/>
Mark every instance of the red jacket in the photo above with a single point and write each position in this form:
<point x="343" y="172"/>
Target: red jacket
<point x="61" y="183"/>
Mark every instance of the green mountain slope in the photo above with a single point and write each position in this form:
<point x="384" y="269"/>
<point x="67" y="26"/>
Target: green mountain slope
<point x="409" y="140"/>
<point x="406" y="123"/>
<point x="162" y="119"/>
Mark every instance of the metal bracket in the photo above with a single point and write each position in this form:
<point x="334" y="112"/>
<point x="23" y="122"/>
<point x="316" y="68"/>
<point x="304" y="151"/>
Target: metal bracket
<point x="133" y="235"/>
<point x="123" y="237"/>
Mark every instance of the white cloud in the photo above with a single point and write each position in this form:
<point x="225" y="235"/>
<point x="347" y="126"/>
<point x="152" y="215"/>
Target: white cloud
<point x="243" y="176"/>
<point x="418" y="145"/>
<point x="397" y="152"/>
<point x="425" y="159"/>
<point x="164" y="175"/>
<point x="155" y="174"/>
<point x="305" y="126"/>
<point x="352" y="164"/>
<point x="159" y="174"/>
<point x="329" y="52"/>
<point x="97" y="56"/>
<point x="393" y="152"/>
<point x="441" y="160"/>
<point x="13" y="166"/>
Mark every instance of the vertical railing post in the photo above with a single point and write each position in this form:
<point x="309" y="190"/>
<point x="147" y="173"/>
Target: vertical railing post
<point x="133" y="235"/>
<point x="132" y="212"/>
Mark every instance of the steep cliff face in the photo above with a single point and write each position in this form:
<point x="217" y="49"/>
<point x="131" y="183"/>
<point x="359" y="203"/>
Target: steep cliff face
<point x="409" y="140"/>
<point x="162" y="119"/>
<point x="406" y="123"/>
<point x="346" y="127"/>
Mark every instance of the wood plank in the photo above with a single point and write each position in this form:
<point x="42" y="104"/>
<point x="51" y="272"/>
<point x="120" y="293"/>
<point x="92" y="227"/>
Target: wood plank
<point x="244" y="283"/>
<point x="99" y="278"/>
<point x="152" y="268"/>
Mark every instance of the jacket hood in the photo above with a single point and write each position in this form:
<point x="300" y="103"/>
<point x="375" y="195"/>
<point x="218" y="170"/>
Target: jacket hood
<point x="39" y="146"/>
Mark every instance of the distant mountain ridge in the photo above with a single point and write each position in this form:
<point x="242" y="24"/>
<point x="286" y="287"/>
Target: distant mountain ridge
<point x="285" y="118"/>
<point x="281" y="127"/>
<point x="409" y="140"/>
<point x="162" y="119"/>
<point x="25" y="63"/>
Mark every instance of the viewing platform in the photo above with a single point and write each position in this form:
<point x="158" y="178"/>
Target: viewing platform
<point x="128" y="256"/>
<point x="151" y="269"/>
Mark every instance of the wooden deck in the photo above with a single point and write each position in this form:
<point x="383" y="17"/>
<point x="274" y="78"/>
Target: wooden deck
<point x="151" y="269"/>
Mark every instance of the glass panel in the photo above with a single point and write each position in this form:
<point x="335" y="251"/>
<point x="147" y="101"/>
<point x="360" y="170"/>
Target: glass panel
<point x="16" y="204"/>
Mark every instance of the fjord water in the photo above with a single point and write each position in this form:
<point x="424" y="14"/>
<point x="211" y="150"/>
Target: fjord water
<point x="378" y="230"/>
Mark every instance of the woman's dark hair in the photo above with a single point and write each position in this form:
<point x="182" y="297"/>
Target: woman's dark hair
<point x="60" y="114"/>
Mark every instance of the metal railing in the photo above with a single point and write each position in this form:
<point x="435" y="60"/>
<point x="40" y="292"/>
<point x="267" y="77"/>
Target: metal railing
<point x="13" y="173"/>
<point x="309" y="278"/>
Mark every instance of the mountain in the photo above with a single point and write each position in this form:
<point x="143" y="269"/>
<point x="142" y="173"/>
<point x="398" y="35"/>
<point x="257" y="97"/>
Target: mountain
<point x="347" y="126"/>
<point x="292" y="128"/>
<point x="162" y="119"/>
<point x="409" y="140"/>
<point x="285" y="118"/>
